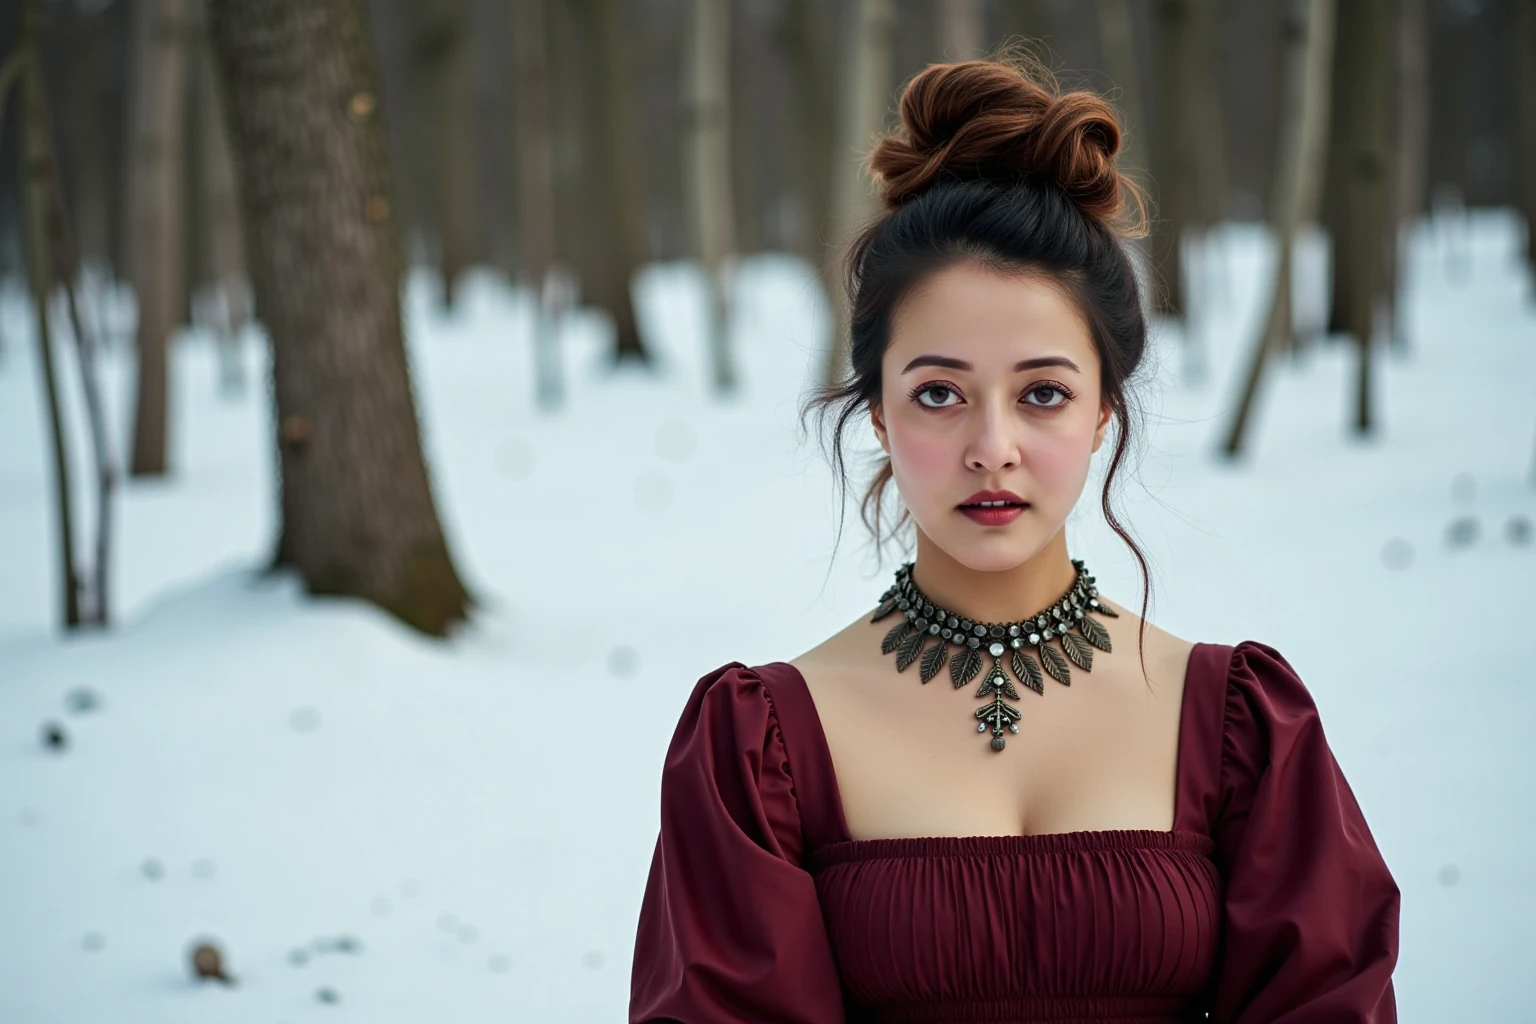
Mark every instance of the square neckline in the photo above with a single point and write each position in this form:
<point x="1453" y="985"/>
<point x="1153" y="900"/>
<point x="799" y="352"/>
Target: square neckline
<point x="845" y="847"/>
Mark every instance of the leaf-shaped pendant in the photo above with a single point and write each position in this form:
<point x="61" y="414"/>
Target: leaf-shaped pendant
<point x="1027" y="671"/>
<point x="1103" y="609"/>
<point x="1078" y="650"/>
<point x="897" y="634"/>
<point x="886" y="607"/>
<point x="907" y="652"/>
<point x="999" y="684"/>
<point x="1095" y="632"/>
<point x="964" y="665"/>
<point x="934" y="659"/>
<point x="1055" y="665"/>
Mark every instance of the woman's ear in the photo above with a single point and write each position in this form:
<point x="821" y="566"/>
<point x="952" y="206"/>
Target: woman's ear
<point x="877" y="421"/>
<point x="1105" y="415"/>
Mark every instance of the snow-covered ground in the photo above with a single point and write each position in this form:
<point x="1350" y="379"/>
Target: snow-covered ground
<point x="477" y="816"/>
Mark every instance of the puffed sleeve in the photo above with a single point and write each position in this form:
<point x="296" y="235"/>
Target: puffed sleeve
<point x="1311" y="911"/>
<point x="730" y="925"/>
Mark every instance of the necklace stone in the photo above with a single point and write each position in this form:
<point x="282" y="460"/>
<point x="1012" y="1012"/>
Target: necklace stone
<point x="1016" y="644"/>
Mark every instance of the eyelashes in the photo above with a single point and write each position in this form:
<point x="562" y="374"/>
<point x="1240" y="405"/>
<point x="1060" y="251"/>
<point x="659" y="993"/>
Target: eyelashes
<point x="1067" y="394"/>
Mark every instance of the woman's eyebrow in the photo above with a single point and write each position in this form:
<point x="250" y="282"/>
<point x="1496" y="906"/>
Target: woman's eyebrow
<point x="1018" y="367"/>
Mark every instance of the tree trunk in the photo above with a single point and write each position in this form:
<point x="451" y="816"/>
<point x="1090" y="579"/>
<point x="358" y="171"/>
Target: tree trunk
<point x="814" y="107"/>
<point x="446" y="57"/>
<point x="226" y="298"/>
<point x="1411" y="160"/>
<point x="154" y="230"/>
<point x="358" y="517"/>
<point x="534" y="155"/>
<point x="85" y="134"/>
<point x="624" y="246"/>
<point x="1369" y="196"/>
<point x="867" y="96"/>
<point x="1306" y="64"/>
<point x="1525" y="124"/>
<point x="22" y="70"/>
<point x="707" y="134"/>
<point x="1175" y="147"/>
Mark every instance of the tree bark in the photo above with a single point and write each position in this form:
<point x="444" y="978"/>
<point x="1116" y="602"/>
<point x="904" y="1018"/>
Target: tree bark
<point x="867" y="97"/>
<point x="227" y="290"/>
<point x="815" y="104"/>
<point x="1175" y="146"/>
<point x="358" y="516"/>
<point x="446" y="56"/>
<point x="706" y="104"/>
<point x="1411" y="159"/>
<point x="155" y="210"/>
<point x="624" y="246"/>
<point x="536" y="188"/>
<point x="1524" y="39"/>
<point x="22" y="70"/>
<point x="1369" y="196"/>
<point x="1306" y="62"/>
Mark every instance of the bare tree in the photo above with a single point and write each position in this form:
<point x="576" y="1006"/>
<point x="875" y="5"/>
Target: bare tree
<point x="156" y="267"/>
<point x="623" y="245"/>
<point x="1524" y="40"/>
<point x="536" y="189"/>
<point x="1368" y="73"/>
<point x="1175" y="147"/>
<point x="226" y="294"/>
<point x="867" y="96"/>
<point x="1411" y="160"/>
<point x="706" y="103"/>
<point x="445" y="55"/>
<point x="52" y="260"/>
<point x="1306" y="64"/>
<point x="358" y="516"/>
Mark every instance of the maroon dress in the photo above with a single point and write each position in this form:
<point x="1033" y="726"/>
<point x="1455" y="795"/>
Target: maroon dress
<point x="1267" y="902"/>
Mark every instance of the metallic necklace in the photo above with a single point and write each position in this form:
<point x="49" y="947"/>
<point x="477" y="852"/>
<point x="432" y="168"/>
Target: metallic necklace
<point x="1018" y="640"/>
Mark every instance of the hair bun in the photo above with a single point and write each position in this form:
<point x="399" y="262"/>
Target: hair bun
<point x="988" y="119"/>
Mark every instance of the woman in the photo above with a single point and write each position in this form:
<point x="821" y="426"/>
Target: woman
<point x="1164" y="837"/>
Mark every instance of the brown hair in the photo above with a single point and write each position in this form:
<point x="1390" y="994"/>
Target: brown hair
<point x="992" y="163"/>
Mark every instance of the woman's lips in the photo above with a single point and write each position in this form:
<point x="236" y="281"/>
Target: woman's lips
<point x="1000" y="516"/>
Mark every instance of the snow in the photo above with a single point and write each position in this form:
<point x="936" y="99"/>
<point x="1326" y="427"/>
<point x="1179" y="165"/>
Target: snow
<point x="478" y="815"/>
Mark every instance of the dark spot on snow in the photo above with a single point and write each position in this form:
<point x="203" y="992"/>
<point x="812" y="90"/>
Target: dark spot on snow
<point x="1450" y="874"/>
<point x="93" y="941"/>
<point x="54" y="737"/>
<point x="327" y="995"/>
<point x="152" y="869"/>
<point x="298" y="957"/>
<point x="1518" y="530"/>
<point x="304" y="719"/>
<point x="1462" y="532"/>
<point x="347" y="944"/>
<point x="81" y="699"/>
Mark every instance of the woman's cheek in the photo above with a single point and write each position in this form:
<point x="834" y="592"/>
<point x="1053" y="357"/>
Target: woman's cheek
<point x="924" y="458"/>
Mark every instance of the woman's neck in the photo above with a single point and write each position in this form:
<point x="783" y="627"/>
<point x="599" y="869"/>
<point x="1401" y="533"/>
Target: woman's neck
<point x="1006" y="595"/>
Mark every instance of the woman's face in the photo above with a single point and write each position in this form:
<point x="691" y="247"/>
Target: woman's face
<point x="990" y="382"/>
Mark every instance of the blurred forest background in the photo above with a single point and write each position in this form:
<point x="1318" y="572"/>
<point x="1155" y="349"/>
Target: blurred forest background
<point x="495" y="315"/>
<point x="567" y="145"/>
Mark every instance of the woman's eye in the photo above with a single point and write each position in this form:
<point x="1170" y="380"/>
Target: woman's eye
<point x="1047" y="389"/>
<point x="920" y="392"/>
